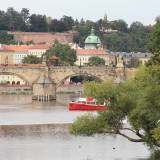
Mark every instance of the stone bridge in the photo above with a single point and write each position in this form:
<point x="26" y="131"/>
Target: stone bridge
<point x="46" y="79"/>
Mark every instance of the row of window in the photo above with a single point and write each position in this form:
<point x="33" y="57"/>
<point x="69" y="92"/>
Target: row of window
<point x="36" y="53"/>
<point x="19" y="56"/>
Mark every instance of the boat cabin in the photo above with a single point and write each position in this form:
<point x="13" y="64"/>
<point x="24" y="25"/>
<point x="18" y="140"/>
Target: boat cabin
<point x="86" y="101"/>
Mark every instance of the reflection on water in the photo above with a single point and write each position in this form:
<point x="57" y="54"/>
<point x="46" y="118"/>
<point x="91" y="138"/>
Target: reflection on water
<point x="32" y="130"/>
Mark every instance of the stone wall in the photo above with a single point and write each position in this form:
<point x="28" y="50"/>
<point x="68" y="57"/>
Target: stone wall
<point x="75" y="88"/>
<point x="15" y="89"/>
<point x="37" y="37"/>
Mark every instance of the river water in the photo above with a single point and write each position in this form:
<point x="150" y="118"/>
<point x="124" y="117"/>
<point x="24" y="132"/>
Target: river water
<point x="31" y="130"/>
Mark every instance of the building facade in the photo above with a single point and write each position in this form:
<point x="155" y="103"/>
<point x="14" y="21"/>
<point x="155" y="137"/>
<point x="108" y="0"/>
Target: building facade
<point x="39" y="49"/>
<point x="20" y="51"/>
<point x="6" y="55"/>
<point x="142" y="57"/>
<point x="83" y="55"/>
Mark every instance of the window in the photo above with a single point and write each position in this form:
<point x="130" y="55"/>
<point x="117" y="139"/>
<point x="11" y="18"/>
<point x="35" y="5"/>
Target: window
<point x="84" y="102"/>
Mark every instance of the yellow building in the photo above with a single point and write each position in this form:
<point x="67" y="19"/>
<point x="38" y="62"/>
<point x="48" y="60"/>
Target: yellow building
<point x="6" y="56"/>
<point x="11" y="79"/>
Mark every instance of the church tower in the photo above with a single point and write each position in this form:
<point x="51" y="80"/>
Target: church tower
<point x="105" y="17"/>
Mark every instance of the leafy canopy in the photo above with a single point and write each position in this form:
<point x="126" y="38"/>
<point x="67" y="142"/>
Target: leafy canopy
<point x="137" y="100"/>
<point x="96" y="61"/>
<point x="31" y="59"/>
<point x="64" y="52"/>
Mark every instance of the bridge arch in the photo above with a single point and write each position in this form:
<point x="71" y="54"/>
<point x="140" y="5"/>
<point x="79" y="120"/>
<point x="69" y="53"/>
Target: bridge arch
<point x="17" y="75"/>
<point x="78" y="74"/>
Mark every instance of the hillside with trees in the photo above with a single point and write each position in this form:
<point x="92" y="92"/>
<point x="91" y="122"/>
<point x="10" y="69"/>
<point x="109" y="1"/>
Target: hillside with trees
<point x="133" y="38"/>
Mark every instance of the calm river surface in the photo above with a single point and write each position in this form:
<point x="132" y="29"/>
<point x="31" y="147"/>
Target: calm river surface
<point x="31" y="130"/>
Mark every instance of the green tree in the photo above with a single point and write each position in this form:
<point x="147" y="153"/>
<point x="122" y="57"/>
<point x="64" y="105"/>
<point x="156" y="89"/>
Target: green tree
<point x="64" y="52"/>
<point x="38" y="23"/>
<point x="120" y="25"/>
<point x="137" y="100"/>
<point x="154" y="43"/>
<point x="3" y="21"/>
<point x="57" y="26"/>
<point x="31" y="59"/>
<point x="134" y="63"/>
<point x="68" y="20"/>
<point x="6" y="38"/>
<point x="96" y="61"/>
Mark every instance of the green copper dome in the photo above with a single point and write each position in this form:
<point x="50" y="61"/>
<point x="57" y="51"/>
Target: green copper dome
<point x="92" y="41"/>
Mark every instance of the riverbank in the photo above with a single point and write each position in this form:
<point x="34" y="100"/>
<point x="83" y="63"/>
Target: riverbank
<point x="27" y="90"/>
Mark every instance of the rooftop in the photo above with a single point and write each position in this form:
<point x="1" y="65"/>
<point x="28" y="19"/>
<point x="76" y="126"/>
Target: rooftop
<point x="16" y="48"/>
<point x="91" y="51"/>
<point x="41" y="46"/>
<point x="132" y="55"/>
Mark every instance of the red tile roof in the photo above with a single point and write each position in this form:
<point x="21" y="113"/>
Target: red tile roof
<point x="92" y="51"/>
<point x="41" y="46"/>
<point x="54" y="57"/>
<point x="17" y="48"/>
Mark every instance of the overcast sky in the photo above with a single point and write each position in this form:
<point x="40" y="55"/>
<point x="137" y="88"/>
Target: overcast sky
<point x="144" y="11"/>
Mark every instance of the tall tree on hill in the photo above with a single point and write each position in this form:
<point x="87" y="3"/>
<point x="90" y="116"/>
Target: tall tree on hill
<point x="3" y="21"/>
<point x="15" y="20"/>
<point x="25" y="16"/>
<point x="57" y="26"/>
<point x="68" y="20"/>
<point x="120" y="25"/>
<point x="38" y="23"/>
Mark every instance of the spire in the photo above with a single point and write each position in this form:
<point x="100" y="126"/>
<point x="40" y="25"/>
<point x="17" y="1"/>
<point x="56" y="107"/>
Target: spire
<point x="92" y="31"/>
<point x="105" y="16"/>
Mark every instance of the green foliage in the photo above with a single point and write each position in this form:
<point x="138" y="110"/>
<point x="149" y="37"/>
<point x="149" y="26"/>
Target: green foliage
<point x="156" y="133"/>
<point x="134" y="63"/>
<point x="154" y="60"/>
<point x="128" y="39"/>
<point x="6" y="38"/>
<point x="137" y="100"/>
<point x="57" y="26"/>
<point x="154" y="43"/>
<point x="96" y="61"/>
<point x="83" y="78"/>
<point x="31" y="59"/>
<point x="68" y="21"/>
<point x="64" y="52"/>
<point x="30" y="42"/>
<point x="86" y="125"/>
<point x="38" y="23"/>
<point x="155" y="155"/>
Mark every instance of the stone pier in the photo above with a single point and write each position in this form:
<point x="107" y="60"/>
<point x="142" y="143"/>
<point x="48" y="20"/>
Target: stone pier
<point x="44" y="89"/>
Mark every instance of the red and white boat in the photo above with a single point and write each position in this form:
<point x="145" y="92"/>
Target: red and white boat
<point x="86" y="104"/>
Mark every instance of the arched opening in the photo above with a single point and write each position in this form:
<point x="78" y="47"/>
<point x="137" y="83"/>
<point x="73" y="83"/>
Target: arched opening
<point x="18" y="82"/>
<point x="10" y="79"/>
<point x="74" y="83"/>
<point x="81" y="78"/>
<point x="13" y="82"/>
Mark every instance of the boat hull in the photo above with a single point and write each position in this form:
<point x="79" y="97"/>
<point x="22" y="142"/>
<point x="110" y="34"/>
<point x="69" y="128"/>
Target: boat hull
<point x="78" y="106"/>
